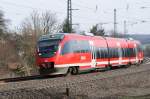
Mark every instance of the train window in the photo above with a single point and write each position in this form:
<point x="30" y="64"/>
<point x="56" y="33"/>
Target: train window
<point x="102" y="53"/>
<point x="74" y="46"/>
<point x="105" y="52"/>
<point x="110" y="53"/>
<point x="132" y="52"/>
<point x="123" y="52"/>
<point x="84" y="46"/>
<point x="98" y="55"/>
<point x="116" y="52"/>
<point x="113" y="53"/>
<point x="67" y="47"/>
<point x="126" y="52"/>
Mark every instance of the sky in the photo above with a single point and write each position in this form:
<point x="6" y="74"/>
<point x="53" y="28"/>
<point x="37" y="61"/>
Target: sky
<point x="135" y="12"/>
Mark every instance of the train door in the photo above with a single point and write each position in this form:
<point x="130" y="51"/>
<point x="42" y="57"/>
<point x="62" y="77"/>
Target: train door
<point x="136" y="53"/>
<point x="119" y="53"/>
<point x="93" y="54"/>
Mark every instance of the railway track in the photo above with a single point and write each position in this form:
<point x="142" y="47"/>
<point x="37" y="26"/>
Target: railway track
<point x="34" y="77"/>
<point x="146" y="60"/>
<point x="37" y="77"/>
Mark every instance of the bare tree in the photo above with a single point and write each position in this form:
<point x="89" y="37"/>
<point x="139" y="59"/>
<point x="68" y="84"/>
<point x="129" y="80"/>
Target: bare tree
<point x="2" y="24"/>
<point x="32" y="27"/>
<point x="39" y="24"/>
<point x="49" y="23"/>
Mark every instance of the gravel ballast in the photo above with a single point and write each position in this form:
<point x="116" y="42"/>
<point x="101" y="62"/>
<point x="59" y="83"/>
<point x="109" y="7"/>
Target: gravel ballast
<point x="124" y="82"/>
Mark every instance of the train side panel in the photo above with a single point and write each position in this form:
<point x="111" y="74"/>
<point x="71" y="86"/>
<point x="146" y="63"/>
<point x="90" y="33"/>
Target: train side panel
<point x="90" y="53"/>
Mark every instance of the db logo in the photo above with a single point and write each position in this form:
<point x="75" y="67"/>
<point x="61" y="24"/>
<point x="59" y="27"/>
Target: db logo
<point x="46" y="60"/>
<point x="83" y="57"/>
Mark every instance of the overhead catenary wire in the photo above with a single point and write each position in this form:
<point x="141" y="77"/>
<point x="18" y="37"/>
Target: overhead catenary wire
<point x="82" y="6"/>
<point x="28" y="7"/>
<point x="92" y="9"/>
<point x="25" y="6"/>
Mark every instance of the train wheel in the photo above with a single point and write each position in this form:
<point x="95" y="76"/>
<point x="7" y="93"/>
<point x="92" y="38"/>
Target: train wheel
<point x="75" y="70"/>
<point x="68" y="72"/>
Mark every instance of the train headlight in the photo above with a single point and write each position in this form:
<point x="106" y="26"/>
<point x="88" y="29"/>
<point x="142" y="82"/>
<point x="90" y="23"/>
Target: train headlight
<point x="40" y="54"/>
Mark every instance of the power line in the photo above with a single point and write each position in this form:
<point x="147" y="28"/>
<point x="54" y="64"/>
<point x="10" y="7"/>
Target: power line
<point x="18" y="5"/>
<point x="83" y="17"/>
<point x="84" y="6"/>
<point x="59" y="1"/>
<point x="26" y="6"/>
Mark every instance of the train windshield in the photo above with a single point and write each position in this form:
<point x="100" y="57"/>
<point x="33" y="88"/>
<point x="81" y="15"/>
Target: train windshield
<point x="47" y="48"/>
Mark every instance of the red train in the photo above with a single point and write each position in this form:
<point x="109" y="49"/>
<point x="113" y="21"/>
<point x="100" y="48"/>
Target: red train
<point x="71" y="53"/>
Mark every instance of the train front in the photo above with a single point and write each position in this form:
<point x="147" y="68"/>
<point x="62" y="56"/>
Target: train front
<point x="46" y="53"/>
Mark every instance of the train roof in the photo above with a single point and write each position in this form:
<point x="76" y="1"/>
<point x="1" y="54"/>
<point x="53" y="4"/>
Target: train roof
<point x="73" y="35"/>
<point x="52" y="36"/>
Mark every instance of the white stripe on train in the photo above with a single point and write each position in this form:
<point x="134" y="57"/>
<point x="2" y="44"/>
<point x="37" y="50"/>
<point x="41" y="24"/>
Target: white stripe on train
<point x="98" y="63"/>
